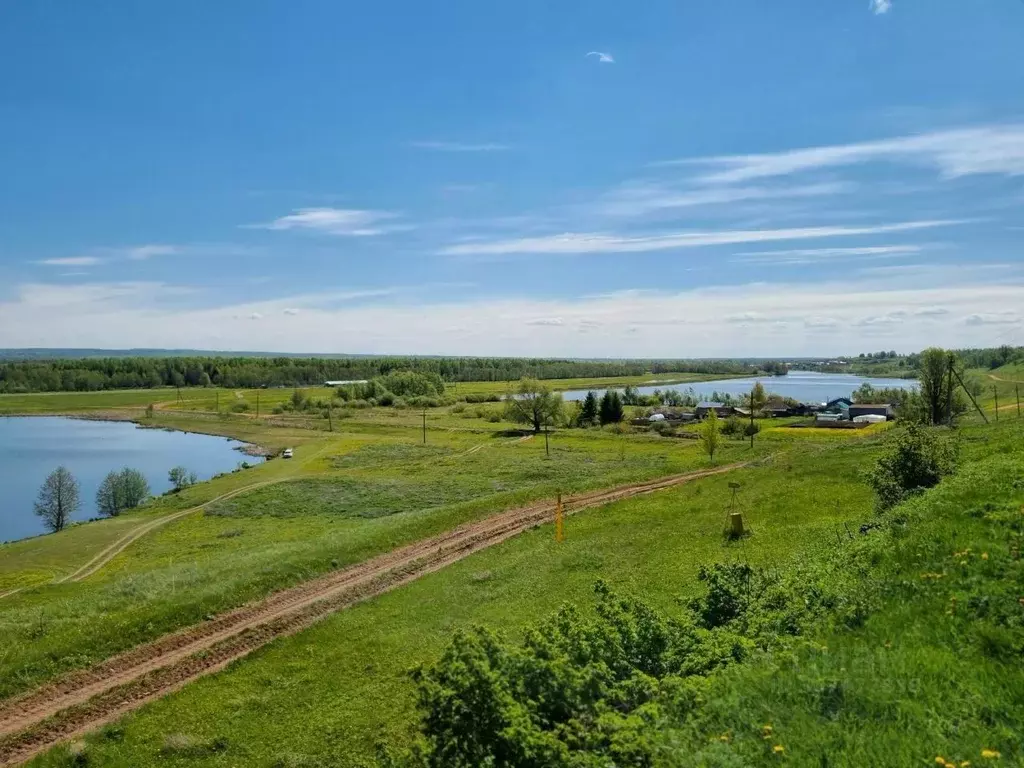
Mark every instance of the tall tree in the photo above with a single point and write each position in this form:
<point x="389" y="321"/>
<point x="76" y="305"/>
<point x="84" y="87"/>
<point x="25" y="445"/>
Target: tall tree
<point x="711" y="434"/>
<point x="120" y="491"/>
<point x="936" y="383"/>
<point x="588" y="413"/>
<point x="611" y="410"/>
<point x="533" y="403"/>
<point x="757" y="399"/>
<point x="58" y="499"/>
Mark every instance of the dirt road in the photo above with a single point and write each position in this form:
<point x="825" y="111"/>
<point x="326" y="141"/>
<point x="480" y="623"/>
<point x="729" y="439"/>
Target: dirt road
<point x="85" y="700"/>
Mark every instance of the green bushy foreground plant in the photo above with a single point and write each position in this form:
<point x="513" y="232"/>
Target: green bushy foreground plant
<point x="901" y="647"/>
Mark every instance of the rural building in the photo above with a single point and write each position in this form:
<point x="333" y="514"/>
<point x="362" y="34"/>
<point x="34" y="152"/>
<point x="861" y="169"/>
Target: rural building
<point x="344" y="383"/>
<point x="872" y="409"/>
<point x="721" y="409"/>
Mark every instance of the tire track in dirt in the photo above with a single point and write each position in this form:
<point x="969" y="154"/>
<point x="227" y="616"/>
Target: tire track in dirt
<point x="119" y="546"/>
<point x="116" y="548"/>
<point x="84" y="700"/>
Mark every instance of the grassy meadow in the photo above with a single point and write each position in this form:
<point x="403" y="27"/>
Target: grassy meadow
<point x="328" y="695"/>
<point x="345" y="497"/>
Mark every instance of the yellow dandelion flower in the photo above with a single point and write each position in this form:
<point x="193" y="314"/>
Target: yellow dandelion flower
<point x="965" y="764"/>
<point x="778" y="749"/>
<point x="940" y="760"/>
<point x="984" y="555"/>
<point x="991" y="754"/>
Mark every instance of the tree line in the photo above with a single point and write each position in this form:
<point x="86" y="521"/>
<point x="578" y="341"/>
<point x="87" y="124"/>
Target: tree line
<point x="142" y="372"/>
<point x="60" y="494"/>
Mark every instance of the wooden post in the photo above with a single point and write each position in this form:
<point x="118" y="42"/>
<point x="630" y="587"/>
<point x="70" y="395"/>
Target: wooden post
<point x="1017" y="388"/>
<point x="257" y="403"/>
<point x="559" y="525"/>
<point x="218" y="401"/>
<point x="547" y="450"/>
<point x="330" y="419"/>
<point x="995" y="393"/>
<point x="424" y="426"/>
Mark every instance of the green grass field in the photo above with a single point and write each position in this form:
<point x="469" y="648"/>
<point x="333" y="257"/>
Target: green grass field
<point x="327" y="695"/>
<point x="347" y="677"/>
<point x="357" y="494"/>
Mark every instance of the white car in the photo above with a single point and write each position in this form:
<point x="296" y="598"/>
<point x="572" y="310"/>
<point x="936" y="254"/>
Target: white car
<point x="287" y="453"/>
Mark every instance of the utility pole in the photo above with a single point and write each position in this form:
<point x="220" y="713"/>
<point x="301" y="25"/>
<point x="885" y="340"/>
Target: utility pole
<point x="949" y="393"/>
<point x="547" y="450"/>
<point x="330" y="419"/>
<point x="257" y="403"/>
<point x="218" y="401"/>
<point x="978" y="407"/>
<point x="424" y="426"/>
<point x="559" y="514"/>
<point x="995" y="393"/>
<point x="1017" y="389"/>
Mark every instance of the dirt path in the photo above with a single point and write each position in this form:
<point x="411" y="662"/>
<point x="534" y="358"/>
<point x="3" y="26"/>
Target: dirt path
<point x="119" y="546"/>
<point x="1005" y="381"/>
<point x="85" y="700"/>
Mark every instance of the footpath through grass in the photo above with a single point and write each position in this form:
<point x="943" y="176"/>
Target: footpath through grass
<point x="324" y="697"/>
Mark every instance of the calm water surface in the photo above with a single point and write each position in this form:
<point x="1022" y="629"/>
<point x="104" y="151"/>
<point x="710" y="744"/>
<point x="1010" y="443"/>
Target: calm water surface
<point x="805" y="386"/>
<point x="31" y="447"/>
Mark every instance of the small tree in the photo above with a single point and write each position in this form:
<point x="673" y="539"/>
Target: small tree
<point x="611" y="410"/>
<point x="181" y="478"/>
<point x="534" y="404"/>
<point x="589" y="411"/>
<point x="711" y="434"/>
<point x="58" y="499"/>
<point x="757" y="399"/>
<point x="120" y="491"/>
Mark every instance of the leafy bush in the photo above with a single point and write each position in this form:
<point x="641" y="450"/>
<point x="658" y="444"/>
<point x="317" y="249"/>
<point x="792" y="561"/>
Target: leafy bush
<point x="122" y="490"/>
<point x="916" y="459"/>
<point x="591" y="689"/>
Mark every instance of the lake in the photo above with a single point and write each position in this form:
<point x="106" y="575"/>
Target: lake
<point x="805" y="386"/>
<point x="33" y="446"/>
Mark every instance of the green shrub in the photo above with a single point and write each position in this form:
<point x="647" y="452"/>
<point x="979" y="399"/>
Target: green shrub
<point x="916" y="459"/>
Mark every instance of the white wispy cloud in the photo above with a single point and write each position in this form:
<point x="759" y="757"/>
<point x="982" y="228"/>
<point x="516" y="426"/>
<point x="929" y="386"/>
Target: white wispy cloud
<point x="992" y="149"/>
<point x="578" y="243"/>
<point x="143" y="252"/>
<point x="460" y="146"/>
<point x="817" y="255"/>
<point x="879" y="7"/>
<point x="336" y="221"/>
<point x="602" y="57"/>
<point x="642" y="199"/>
<point x="72" y="261"/>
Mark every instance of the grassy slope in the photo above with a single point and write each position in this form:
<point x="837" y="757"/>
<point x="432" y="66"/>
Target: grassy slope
<point x="324" y="697"/>
<point x="373" y="493"/>
<point x="935" y="670"/>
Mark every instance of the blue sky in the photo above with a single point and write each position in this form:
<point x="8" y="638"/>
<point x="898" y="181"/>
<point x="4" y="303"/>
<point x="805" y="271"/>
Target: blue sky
<point x="576" y="178"/>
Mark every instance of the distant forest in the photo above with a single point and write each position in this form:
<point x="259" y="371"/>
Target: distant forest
<point x="94" y="374"/>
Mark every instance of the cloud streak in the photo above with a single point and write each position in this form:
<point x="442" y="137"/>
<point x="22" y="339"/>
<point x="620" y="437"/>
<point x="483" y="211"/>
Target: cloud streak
<point x="335" y="221"/>
<point x="602" y="57"/>
<point x="994" y="149"/>
<point x="459" y="146"/>
<point x="881" y="7"/>
<point x="580" y="243"/>
<point x="72" y="261"/>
